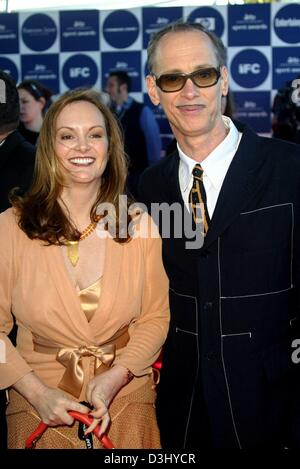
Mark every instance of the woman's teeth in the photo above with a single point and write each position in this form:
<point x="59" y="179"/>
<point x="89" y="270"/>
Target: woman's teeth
<point x="84" y="161"/>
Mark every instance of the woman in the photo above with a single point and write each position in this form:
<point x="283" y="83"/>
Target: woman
<point x="92" y="310"/>
<point x="34" y="102"/>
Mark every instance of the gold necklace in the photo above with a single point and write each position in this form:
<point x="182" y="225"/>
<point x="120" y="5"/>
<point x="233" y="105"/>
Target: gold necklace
<point x="72" y="246"/>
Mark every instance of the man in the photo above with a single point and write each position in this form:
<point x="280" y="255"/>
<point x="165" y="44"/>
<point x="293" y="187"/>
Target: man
<point x="16" y="154"/>
<point x="140" y="129"/>
<point x="16" y="167"/>
<point x="286" y="112"/>
<point x="228" y="380"/>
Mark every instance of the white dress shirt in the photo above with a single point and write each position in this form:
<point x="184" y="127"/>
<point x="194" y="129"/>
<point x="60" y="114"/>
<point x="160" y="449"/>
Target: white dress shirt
<point x="215" y="167"/>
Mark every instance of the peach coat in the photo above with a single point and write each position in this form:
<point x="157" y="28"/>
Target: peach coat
<point x="35" y="286"/>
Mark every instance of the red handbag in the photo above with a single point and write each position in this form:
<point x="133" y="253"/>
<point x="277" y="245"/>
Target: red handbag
<point x="84" y="418"/>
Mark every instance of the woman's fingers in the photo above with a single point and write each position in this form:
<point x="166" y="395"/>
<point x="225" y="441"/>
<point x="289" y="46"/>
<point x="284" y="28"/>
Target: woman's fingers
<point x="78" y="407"/>
<point x="105" y="423"/>
<point x="92" y="426"/>
<point x="63" y="417"/>
<point x="99" y="397"/>
<point x="105" y="417"/>
<point x="66" y="418"/>
<point x="100" y="413"/>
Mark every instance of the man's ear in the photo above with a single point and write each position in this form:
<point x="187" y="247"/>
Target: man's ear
<point x="224" y="81"/>
<point x="152" y="90"/>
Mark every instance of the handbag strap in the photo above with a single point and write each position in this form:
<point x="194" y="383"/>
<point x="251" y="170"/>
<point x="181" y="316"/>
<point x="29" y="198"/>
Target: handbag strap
<point x="84" y="418"/>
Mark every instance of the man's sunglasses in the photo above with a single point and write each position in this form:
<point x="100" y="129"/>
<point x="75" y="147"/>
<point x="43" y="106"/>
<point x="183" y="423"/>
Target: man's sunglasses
<point x="203" y="78"/>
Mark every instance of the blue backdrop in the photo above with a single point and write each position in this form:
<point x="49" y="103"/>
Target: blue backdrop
<point x="66" y="49"/>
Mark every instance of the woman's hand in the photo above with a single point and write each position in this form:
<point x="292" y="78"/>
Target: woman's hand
<point x="100" y="392"/>
<point x="53" y="407"/>
<point x="51" y="404"/>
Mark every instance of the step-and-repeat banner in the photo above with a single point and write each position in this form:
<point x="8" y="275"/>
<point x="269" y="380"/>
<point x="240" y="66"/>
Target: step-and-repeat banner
<point x="67" y="49"/>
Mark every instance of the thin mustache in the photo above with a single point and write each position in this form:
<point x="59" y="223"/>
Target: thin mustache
<point x="191" y="105"/>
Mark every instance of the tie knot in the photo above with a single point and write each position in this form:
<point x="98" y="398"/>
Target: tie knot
<point x="198" y="171"/>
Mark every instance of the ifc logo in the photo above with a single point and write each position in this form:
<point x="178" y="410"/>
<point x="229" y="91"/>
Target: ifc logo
<point x="249" y="68"/>
<point x="80" y="70"/>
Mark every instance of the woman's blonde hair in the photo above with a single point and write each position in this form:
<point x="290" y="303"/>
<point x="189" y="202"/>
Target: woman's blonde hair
<point x="40" y="214"/>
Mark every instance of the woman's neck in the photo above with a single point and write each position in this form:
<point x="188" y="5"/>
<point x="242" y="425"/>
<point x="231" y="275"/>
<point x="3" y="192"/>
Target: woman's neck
<point x="35" y="125"/>
<point x="78" y="202"/>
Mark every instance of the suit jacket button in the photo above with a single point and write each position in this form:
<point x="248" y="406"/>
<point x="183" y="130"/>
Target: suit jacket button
<point x="210" y="356"/>
<point x="208" y="306"/>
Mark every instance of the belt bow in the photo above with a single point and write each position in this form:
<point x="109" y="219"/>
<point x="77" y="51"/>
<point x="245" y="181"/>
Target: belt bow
<point x="71" y="359"/>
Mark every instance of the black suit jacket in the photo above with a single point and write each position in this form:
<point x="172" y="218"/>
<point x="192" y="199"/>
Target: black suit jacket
<point x="235" y="303"/>
<point x="16" y="166"/>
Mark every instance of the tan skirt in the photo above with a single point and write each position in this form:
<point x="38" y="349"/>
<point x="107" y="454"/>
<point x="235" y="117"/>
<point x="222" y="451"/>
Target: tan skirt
<point x="133" y="424"/>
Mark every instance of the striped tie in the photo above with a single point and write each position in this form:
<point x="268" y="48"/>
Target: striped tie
<point x="197" y="199"/>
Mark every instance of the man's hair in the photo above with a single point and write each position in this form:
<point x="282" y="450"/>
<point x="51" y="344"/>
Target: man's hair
<point x="180" y="26"/>
<point x="122" y="77"/>
<point x="10" y="109"/>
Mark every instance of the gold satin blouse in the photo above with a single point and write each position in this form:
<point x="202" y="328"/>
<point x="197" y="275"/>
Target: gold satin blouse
<point x="89" y="298"/>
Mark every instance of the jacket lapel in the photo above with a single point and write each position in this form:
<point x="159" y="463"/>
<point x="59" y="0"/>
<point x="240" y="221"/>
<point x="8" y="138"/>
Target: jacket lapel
<point x="74" y="316"/>
<point x="170" y="182"/>
<point x="7" y="147"/>
<point x="241" y="183"/>
<point x="111" y="278"/>
<point x="83" y="329"/>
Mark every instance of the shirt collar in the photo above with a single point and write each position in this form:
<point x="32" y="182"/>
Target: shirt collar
<point x="215" y="161"/>
<point x="125" y="105"/>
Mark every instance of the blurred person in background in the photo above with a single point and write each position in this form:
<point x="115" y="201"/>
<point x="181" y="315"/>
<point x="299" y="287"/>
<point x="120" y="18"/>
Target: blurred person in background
<point x="286" y="113"/>
<point x="35" y="99"/>
<point x="16" y="169"/>
<point x="16" y="154"/>
<point x="139" y="126"/>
